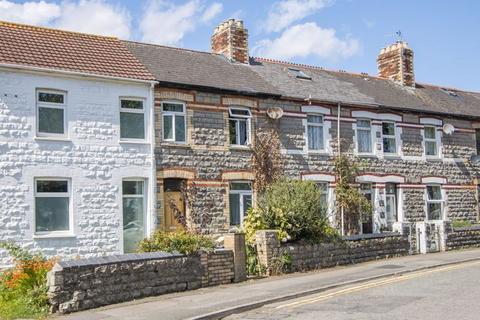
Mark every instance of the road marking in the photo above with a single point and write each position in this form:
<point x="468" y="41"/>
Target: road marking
<point x="373" y="285"/>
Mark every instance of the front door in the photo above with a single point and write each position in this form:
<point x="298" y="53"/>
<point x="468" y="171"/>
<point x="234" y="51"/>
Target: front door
<point x="174" y="204"/>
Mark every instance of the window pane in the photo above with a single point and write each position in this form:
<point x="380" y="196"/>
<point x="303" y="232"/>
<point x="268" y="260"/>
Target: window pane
<point x="179" y="128"/>
<point x="430" y="148"/>
<point x="364" y="141"/>
<point x="243" y="132"/>
<point x="389" y="145"/>
<point x="51" y="214"/>
<point x="434" y="211"/>
<point x="167" y="127"/>
<point x="133" y="187"/>
<point x="388" y="129"/>
<point x="390" y="209"/>
<point x="315" y="138"/>
<point x="363" y="123"/>
<point x="233" y="131"/>
<point x="241" y="186"/>
<point x="239" y="112"/>
<point x="52" y="186"/>
<point x="234" y="209"/>
<point x="133" y="226"/>
<point x="434" y="193"/>
<point x="390" y="188"/>
<point x="430" y="132"/>
<point x="51" y="97"/>
<point x="50" y="120"/>
<point x="247" y="203"/>
<point x="132" y="125"/>
<point x="175" y="107"/>
<point x="314" y="119"/>
<point x="132" y="104"/>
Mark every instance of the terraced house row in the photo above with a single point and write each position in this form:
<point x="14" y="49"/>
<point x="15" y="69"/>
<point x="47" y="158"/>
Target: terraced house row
<point x="98" y="136"/>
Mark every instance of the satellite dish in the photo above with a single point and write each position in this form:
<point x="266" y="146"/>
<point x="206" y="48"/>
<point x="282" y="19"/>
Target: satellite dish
<point x="448" y="128"/>
<point x="275" y="112"/>
<point x="475" y="159"/>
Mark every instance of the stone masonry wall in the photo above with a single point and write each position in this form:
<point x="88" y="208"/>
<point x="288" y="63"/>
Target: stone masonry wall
<point x="463" y="238"/>
<point x="90" y="283"/>
<point x="317" y="256"/>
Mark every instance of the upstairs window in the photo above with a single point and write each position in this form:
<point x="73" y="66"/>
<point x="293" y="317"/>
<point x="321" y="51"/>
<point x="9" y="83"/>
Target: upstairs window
<point x="315" y="132"/>
<point x="132" y="119"/>
<point x="430" y="139"/>
<point x="239" y="126"/>
<point x="364" y="136"/>
<point x="388" y="137"/>
<point x="174" y="122"/>
<point x="52" y="205"/>
<point x="434" y="202"/>
<point x="51" y="109"/>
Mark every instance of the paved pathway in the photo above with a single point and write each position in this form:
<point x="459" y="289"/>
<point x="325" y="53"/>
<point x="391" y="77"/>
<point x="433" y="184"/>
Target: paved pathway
<point x="204" y="301"/>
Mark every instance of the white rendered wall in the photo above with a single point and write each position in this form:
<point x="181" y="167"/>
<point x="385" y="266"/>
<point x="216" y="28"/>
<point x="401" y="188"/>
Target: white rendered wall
<point x="92" y="156"/>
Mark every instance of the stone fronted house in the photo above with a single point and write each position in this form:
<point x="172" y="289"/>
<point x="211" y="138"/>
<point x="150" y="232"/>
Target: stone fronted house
<point x="415" y="140"/>
<point x="76" y="134"/>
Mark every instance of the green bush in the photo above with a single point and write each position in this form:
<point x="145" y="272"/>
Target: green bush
<point x="23" y="289"/>
<point x="463" y="224"/>
<point x="180" y="241"/>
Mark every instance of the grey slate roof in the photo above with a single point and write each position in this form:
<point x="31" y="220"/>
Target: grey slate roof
<point x="195" y="68"/>
<point x="336" y="86"/>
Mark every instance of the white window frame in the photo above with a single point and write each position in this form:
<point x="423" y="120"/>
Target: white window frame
<point x="61" y="106"/>
<point x="441" y="201"/>
<point x="237" y="118"/>
<point x="320" y="125"/>
<point x="174" y="114"/>
<point x="372" y="144"/>
<point x="241" y="193"/>
<point x="127" y="110"/>
<point x="394" y="137"/>
<point x="436" y="140"/>
<point x="36" y="195"/>
<point x="145" y="203"/>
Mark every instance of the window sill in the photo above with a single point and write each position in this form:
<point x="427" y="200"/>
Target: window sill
<point x="433" y="159"/>
<point x="174" y="144"/>
<point x="59" y="139"/>
<point x="53" y="235"/>
<point x="238" y="147"/>
<point x="134" y="142"/>
<point x="366" y="155"/>
<point x="318" y="152"/>
<point x="392" y="157"/>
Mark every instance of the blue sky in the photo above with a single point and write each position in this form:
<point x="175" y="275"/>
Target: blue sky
<point x="336" y="34"/>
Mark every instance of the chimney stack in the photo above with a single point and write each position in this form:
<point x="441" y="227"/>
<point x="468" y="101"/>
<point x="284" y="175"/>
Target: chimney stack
<point x="230" y="38"/>
<point x="395" y="63"/>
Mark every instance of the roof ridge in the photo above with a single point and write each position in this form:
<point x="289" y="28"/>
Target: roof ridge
<point x="28" y="26"/>
<point x="170" y="47"/>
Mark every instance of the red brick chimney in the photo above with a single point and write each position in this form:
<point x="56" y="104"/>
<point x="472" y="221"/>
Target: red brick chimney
<point x="395" y="63"/>
<point x="230" y="38"/>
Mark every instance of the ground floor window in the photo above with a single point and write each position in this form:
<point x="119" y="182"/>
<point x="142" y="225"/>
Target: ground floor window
<point x="133" y="194"/>
<point x="52" y="205"/>
<point x="367" y="217"/>
<point x="323" y="186"/>
<point x="434" y="202"/>
<point x="240" y="198"/>
<point x="391" y="204"/>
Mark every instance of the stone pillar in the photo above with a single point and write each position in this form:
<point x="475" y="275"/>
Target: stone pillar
<point x="268" y="245"/>
<point x="236" y="243"/>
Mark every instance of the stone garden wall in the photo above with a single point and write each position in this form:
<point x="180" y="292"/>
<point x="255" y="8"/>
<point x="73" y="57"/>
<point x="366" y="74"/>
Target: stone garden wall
<point x="303" y="257"/>
<point x="463" y="238"/>
<point x="89" y="283"/>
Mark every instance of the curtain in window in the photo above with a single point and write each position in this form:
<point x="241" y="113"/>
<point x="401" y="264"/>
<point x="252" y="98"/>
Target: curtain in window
<point x="315" y="138"/>
<point x="364" y="141"/>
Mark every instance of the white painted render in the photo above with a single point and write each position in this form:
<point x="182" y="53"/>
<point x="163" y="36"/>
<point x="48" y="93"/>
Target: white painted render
<point x="91" y="156"/>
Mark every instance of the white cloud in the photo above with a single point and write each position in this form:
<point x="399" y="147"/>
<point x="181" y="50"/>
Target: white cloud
<point x="95" y="16"/>
<point x="307" y="39"/>
<point x="166" y="23"/>
<point x="32" y="12"/>
<point x="212" y="11"/>
<point x="90" y="16"/>
<point x="284" y="13"/>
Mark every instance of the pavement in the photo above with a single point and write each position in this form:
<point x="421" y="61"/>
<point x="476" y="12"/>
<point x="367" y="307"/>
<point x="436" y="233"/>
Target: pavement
<point x="222" y="301"/>
<point x="443" y="293"/>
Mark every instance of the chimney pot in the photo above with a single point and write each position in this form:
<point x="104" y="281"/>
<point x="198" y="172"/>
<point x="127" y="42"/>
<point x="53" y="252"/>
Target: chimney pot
<point x="395" y="62"/>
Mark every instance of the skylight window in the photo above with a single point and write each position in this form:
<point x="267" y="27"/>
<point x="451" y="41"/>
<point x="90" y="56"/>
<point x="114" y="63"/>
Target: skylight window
<point x="450" y="92"/>
<point x="299" y="74"/>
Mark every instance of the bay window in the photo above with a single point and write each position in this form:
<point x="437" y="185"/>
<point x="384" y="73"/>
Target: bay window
<point x="364" y="136"/>
<point x="174" y="122"/>
<point x="51" y="110"/>
<point x="315" y="132"/>
<point x="52" y="205"/>
<point x="239" y="126"/>
<point x="132" y="119"/>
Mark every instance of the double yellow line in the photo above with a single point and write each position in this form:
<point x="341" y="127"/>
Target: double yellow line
<point x="369" y="285"/>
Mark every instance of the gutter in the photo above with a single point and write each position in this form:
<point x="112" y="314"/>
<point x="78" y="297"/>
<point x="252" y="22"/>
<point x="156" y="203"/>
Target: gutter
<point x="73" y="73"/>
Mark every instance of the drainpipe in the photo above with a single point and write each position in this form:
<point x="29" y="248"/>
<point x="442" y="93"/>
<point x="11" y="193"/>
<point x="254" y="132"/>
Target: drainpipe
<point x="339" y="109"/>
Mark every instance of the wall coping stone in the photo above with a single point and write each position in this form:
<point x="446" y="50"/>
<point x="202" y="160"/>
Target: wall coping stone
<point x="359" y="237"/>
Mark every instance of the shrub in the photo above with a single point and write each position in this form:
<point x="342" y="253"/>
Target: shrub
<point x="23" y="289"/>
<point x="181" y="241"/>
<point x="463" y="224"/>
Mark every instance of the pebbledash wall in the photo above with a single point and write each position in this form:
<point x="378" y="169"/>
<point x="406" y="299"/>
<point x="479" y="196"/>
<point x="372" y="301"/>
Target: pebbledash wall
<point x="92" y="157"/>
<point x="208" y="159"/>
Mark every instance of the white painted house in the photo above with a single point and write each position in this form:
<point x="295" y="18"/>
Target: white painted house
<point x="76" y="143"/>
